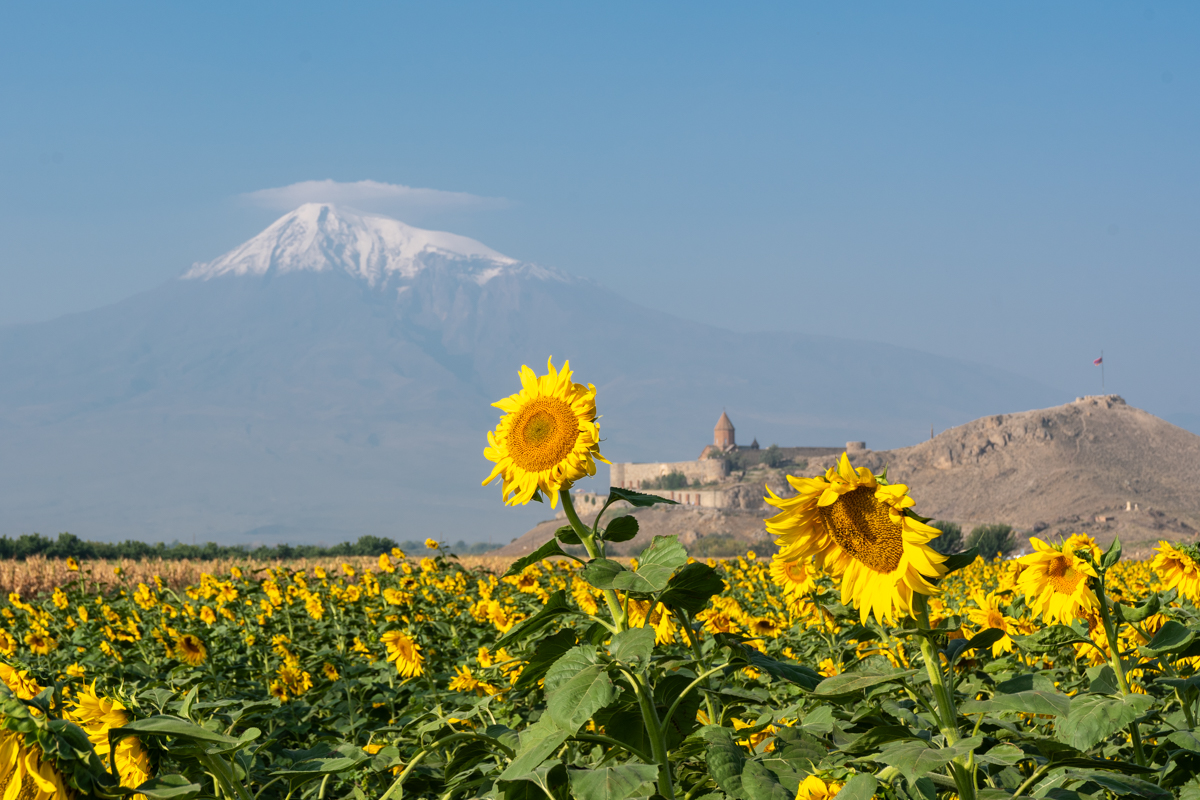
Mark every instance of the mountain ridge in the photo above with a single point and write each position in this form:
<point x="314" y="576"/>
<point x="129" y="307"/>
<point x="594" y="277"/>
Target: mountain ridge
<point x="317" y="404"/>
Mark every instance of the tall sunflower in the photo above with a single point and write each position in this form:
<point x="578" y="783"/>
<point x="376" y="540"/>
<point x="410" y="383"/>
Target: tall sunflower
<point x="1055" y="582"/>
<point x="855" y="527"/>
<point x="548" y="437"/>
<point x="404" y="653"/>
<point x="797" y="577"/>
<point x="990" y="614"/>
<point x="1179" y="568"/>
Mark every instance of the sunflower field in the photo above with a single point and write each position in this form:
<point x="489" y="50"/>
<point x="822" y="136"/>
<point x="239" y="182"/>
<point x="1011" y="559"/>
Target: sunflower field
<point x="857" y="663"/>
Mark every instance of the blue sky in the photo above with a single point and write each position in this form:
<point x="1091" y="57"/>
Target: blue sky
<point x="1014" y="183"/>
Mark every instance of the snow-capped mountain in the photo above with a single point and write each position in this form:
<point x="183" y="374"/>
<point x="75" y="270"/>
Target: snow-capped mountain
<point x="320" y="237"/>
<point x="333" y="377"/>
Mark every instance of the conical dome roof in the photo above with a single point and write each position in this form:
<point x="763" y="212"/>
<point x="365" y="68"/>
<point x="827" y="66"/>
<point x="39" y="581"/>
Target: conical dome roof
<point x="723" y="424"/>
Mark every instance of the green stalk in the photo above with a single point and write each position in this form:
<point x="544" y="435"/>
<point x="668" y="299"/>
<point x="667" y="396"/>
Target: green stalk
<point x="589" y="543"/>
<point x="658" y="744"/>
<point x="1118" y="666"/>
<point x="694" y="645"/>
<point x="964" y="775"/>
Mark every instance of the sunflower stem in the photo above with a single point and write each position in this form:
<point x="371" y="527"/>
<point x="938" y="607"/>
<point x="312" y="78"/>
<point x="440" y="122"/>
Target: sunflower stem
<point x="964" y="773"/>
<point x="589" y="544"/>
<point x="1114" y="654"/>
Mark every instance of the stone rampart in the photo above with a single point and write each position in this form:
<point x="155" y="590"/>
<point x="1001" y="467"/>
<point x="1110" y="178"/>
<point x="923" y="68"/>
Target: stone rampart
<point x="636" y="476"/>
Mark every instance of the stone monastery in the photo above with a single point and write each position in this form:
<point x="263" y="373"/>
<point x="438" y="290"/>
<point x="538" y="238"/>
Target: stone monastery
<point x="714" y="480"/>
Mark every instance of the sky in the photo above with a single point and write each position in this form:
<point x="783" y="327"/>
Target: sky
<point x="1016" y="184"/>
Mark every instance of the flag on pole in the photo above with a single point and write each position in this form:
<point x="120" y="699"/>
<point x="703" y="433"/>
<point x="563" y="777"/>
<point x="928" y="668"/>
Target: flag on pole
<point x="1099" y="361"/>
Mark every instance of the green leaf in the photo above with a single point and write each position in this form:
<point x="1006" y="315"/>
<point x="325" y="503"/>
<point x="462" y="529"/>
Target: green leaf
<point x="573" y="661"/>
<point x="170" y="787"/>
<point x="853" y="683"/>
<point x="1151" y="606"/>
<point x="878" y="736"/>
<point x="691" y="588"/>
<point x="1026" y="683"/>
<point x="1112" y="555"/>
<point x="861" y="787"/>
<point x="1102" y="680"/>
<point x="555" y="607"/>
<point x="1033" y="702"/>
<point x="917" y="758"/>
<point x="1004" y="754"/>
<point x="567" y="535"/>
<point x="735" y="774"/>
<point x="635" y="645"/>
<point x="548" y="651"/>
<point x="802" y="676"/>
<point x="655" y="566"/>
<point x="980" y="641"/>
<point x="1093" y="718"/>
<point x="575" y="701"/>
<point x="538" y="742"/>
<point x="322" y="766"/>
<point x="1124" y="785"/>
<point x="637" y="499"/>
<point x="613" y="783"/>
<point x="1049" y="639"/>
<point x="550" y="548"/>
<point x="1171" y="638"/>
<point x="167" y="725"/>
<point x="959" y="560"/>
<point x="621" y="529"/>
<point x="600" y="572"/>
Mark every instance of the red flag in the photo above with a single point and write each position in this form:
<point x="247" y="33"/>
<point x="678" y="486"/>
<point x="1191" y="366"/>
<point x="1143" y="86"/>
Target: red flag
<point x="1099" y="361"/>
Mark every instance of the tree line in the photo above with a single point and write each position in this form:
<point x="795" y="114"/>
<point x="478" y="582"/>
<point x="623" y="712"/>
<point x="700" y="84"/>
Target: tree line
<point x="68" y="545"/>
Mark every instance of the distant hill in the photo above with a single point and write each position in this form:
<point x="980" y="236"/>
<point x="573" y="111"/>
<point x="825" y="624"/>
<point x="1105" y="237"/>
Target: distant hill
<point x="332" y="378"/>
<point x="1048" y="473"/>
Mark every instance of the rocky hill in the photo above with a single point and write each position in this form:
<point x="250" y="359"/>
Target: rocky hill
<point x="1096" y="465"/>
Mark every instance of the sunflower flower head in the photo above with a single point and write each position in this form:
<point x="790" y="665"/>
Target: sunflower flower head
<point x="1179" y="568"/>
<point x="856" y="527"/>
<point x="404" y="653"/>
<point x="548" y="437"/>
<point x="1055" y="581"/>
<point x="190" y="648"/>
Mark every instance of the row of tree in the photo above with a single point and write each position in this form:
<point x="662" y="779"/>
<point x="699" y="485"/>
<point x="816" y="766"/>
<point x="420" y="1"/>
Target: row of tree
<point x="70" y="545"/>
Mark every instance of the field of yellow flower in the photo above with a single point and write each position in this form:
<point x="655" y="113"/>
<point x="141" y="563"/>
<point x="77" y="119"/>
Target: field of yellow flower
<point x="857" y="663"/>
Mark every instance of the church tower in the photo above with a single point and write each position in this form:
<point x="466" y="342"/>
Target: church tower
<point x="723" y="434"/>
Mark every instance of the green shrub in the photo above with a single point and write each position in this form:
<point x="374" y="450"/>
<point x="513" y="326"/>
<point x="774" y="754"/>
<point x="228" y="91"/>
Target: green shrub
<point x="951" y="540"/>
<point x="992" y="541"/>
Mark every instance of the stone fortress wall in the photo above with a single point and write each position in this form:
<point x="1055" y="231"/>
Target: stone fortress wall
<point x="710" y="484"/>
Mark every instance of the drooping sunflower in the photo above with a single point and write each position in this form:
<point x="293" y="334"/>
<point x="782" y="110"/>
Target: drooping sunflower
<point x="404" y="653"/>
<point x="548" y="437"/>
<point x="989" y="614"/>
<point x="190" y="648"/>
<point x="97" y="716"/>
<point x="813" y="788"/>
<point x="26" y="773"/>
<point x="1055" y="583"/>
<point x="1179" y="568"/>
<point x="797" y="577"/>
<point x="854" y="526"/>
<point x="19" y="682"/>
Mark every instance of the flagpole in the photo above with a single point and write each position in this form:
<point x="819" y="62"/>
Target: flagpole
<point x="1102" y="389"/>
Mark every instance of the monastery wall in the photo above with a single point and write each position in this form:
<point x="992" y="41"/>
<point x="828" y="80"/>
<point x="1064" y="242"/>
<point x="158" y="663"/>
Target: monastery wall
<point x="633" y="476"/>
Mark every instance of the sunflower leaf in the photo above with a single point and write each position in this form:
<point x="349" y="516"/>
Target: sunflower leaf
<point x="621" y="529"/>
<point x="1049" y="639"/>
<point x="691" y="587"/>
<point x="550" y="548"/>
<point x="655" y="566"/>
<point x="556" y="606"/>
<point x="1126" y="614"/>
<point x="1113" y="554"/>
<point x="637" y="499"/>
<point x="853" y="683"/>
<point x="600" y="572"/>
<point x="1172" y="637"/>
<point x="959" y="560"/>
<point x="1093" y="718"/>
<point x="575" y="701"/>
<point x="567" y="535"/>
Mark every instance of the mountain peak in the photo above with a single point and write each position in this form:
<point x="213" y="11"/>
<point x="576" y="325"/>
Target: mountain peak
<point x="318" y="237"/>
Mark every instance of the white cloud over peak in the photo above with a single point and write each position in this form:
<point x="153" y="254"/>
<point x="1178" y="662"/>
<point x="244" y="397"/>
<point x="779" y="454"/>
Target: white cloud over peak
<point x="371" y="196"/>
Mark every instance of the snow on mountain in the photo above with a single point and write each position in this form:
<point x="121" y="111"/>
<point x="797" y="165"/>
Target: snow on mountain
<point x="319" y="237"/>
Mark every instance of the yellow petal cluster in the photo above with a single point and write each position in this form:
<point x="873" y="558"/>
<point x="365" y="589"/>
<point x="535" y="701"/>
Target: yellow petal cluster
<point x="855" y="527"/>
<point x="548" y="437"/>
